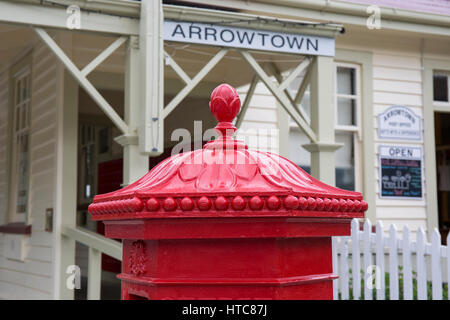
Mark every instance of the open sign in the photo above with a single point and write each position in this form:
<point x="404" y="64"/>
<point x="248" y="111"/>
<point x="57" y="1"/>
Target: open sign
<point x="400" y="174"/>
<point x="401" y="152"/>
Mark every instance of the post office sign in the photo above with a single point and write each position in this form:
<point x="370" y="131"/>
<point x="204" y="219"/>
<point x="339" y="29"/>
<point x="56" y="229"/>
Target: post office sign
<point x="399" y="123"/>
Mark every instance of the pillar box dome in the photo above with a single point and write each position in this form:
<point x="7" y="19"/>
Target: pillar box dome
<point x="227" y="222"/>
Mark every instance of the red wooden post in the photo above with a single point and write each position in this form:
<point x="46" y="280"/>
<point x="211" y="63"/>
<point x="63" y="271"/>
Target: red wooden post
<point x="225" y="222"/>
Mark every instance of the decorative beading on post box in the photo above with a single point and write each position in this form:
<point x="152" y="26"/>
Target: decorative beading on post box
<point x="225" y="191"/>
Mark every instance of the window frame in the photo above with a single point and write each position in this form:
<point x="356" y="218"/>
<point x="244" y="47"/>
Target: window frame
<point x="437" y="102"/>
<point x="355" y="129"/>
<point x="357" y="97"/>
<point x="22" y="69"/>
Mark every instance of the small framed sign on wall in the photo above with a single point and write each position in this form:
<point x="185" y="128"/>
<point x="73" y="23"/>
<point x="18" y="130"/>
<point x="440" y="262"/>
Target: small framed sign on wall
<point x="399" y="123"/>
<point x="400" y="172"/>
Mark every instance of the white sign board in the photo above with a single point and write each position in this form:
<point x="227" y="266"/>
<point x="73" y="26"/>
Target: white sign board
<point x="237" y="37"/>
<point x="400" y="152"/>
<point x="399" y="123"/>
<point x="400" y="172"/>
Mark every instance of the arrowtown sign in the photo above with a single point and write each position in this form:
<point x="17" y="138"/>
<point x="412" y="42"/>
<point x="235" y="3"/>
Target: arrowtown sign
<point x="226" y="36"/>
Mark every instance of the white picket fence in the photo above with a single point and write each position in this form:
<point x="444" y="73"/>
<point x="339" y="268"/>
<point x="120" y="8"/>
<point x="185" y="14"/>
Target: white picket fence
<point x="374" y="248"/>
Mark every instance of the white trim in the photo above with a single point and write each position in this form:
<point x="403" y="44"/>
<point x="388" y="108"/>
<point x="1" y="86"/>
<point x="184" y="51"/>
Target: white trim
<point x="441" y="104"/>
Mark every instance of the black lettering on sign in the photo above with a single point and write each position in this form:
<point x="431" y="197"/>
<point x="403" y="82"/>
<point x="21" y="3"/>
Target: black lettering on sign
<point x="195" y="30"/>
<point x="178" y="30"/>
<point x="294" y="41"/>
<point x="314" y="44"/>
<point x="401" y="152"/>
<point x="263" y="35"/>
<point x="224" y="37"/>
<point x="210" y="32"/>
<point x="245" y="36"/>
<point x="277" y="41"/>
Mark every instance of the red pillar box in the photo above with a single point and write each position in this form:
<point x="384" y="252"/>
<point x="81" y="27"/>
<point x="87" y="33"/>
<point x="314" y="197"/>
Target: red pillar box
<point x="225" y="222"/>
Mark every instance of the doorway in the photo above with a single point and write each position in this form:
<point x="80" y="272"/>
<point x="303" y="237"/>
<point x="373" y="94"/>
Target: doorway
<point x="442" y="140"/>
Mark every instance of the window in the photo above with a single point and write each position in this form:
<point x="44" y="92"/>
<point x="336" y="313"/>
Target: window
<point x="440" y="87"/>
<point x="347" y="128"/>
<point x="95" y="146"/>
<point x="20" y="135"/>
<point x="86" y="164"/>
<point x="348" y="119"/>
<point x="346" y="96"/>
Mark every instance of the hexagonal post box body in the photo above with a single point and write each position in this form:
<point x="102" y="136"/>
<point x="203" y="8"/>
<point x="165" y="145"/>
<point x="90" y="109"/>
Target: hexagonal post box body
<point x="225" y="222"/>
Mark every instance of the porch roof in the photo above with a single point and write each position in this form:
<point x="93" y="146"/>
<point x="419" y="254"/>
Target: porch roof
<point x="122" y="17"/>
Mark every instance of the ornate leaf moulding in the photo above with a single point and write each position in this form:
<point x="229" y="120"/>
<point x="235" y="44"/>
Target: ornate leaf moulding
<point x="227" y="206"/>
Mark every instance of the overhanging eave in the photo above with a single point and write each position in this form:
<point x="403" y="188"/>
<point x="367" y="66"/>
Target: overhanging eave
<point x="56" y="17"/>
<point x="237" y="19"/>
<point x="28" y="12"/>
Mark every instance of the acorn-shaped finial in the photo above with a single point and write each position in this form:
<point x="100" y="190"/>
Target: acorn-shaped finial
<point x="225" y="103"/>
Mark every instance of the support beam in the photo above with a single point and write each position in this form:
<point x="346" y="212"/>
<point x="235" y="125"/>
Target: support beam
<point x="294" y="74"/>
<point x="135" y="164"/>
<point x="322" y="120"/>
<point x="191" y="85"/>
<point x="283" y="132"/>
<point x="66" y="180"/>
<point x="277" y="74"/>
<point x="103" y="56"/>
<point x="83" y="81"/>
<point x="177" y="68"/>
<point x="301" y="90"/>
<point x="279" y="95"/>
<point x="248" y="98"/>
<point x="94" y="274"/>
<point x="151" y="129"/>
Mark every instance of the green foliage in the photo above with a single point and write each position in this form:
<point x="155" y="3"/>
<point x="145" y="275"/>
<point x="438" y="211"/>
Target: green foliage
<point x="400" y="287"/>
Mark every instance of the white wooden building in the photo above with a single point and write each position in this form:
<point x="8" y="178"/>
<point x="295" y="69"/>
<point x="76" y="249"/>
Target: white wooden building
<point x="85" y="102"/>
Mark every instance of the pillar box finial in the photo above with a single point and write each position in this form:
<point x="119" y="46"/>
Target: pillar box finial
<point x="225" y="105"/>
<point x="255" y="226"/>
